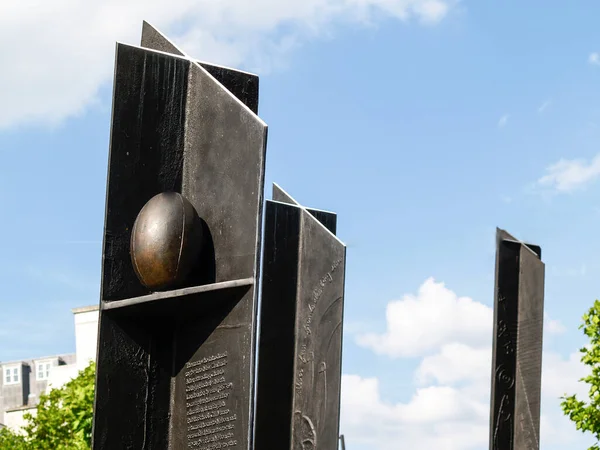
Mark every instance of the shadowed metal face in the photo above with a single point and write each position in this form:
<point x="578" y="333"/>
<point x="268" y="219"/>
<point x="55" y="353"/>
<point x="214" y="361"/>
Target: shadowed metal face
<point x="165" y="241"/>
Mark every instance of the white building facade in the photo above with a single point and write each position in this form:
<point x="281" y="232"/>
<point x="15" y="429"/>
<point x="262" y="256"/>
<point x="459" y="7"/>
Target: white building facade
<point x="22" y="382"/>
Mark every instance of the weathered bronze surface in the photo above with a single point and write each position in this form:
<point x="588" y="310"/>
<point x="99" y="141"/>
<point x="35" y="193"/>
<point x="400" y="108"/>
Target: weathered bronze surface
<point x="166" y="241"/>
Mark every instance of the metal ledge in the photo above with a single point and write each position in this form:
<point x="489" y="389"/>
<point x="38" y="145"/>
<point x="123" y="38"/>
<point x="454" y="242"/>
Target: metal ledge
<point x="158" y="300"/>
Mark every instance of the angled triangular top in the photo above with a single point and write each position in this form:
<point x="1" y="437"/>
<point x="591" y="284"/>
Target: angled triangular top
<point x="503" y="235"/>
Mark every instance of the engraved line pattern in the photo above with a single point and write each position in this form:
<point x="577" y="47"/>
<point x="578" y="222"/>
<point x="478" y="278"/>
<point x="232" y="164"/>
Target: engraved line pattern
<point x="505" y="381"/>
<point x="307" y="341"/>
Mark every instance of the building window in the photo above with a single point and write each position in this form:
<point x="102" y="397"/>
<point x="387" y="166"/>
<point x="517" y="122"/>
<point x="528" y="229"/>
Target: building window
<point x="12" y="375"/>
<point x="43" y="370"/>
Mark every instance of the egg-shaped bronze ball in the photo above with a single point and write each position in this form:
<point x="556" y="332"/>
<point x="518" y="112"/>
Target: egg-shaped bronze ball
<point x="166" y="241"/>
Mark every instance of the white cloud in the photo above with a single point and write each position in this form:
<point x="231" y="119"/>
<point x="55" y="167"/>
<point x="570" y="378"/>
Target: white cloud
<point x="57" y="54"/>
<point x="503" y="120"/>
<point x="431" y="12"/>
<point x="568" y="175"/>
<point x="544" y="106"/>
<point x="436" y="315"/>
<point x="456" y="362"/>
<point x="449" y="407"/>
<point x="452" y="415"/>
<point x="436" y="318"/>
<point x="561" y="376"/>
<point x="594" y="59"/>
<point x="553" y="326"/>
<point x="435" y="417"/>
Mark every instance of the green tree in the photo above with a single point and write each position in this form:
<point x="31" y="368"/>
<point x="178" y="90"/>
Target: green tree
<point x="63" y="419"/>
<point x="12" y="441"/>
<point x="586" y="414"/>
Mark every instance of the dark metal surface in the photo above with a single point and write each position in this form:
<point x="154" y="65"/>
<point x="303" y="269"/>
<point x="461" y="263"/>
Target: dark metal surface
<point x="176" y="128"/>
<point x="243" y="85"/>
<point x="275" y="378"/>
<point x="133" y="383"/>
<point x="529" y="352"/>
<point x="299" y="371"/>
<point x="342" y="442"/>
<point x="213" y="373"/>
<point x="319" y="326"/>
<point x="166" y="241"/>
<point x="223" y="173"/>
<point x="179" y="303"/>
<point x="133" y="376"/>
<point x="327" y="218"/>
<point x="517" y="345"/>
<point x="146" y="153"/>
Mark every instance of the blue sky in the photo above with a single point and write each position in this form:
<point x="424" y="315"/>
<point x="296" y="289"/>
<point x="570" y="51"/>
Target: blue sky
<point x="423" y="123"/>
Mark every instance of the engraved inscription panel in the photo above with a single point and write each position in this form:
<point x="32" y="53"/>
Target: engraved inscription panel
<point x="319" y="316"/>
<point x="306" y="355"/>
<point x="213" y="385"/>
<point x="211" y="422"/>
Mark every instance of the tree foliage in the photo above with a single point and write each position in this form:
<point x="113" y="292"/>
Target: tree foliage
<point x="12" y="441"/>
<point x="63" y="419"/>
<point x="586" y="414"/>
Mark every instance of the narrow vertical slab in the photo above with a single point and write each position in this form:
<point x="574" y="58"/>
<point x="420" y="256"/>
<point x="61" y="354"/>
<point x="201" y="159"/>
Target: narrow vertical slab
<point x="504" y="346"/>
<point x="275" y="378"/>
<point x="319" y="326"/>
<point x="517" y="345"/>
<point x="529" y="351"/>
<point x="302" y="293"/>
